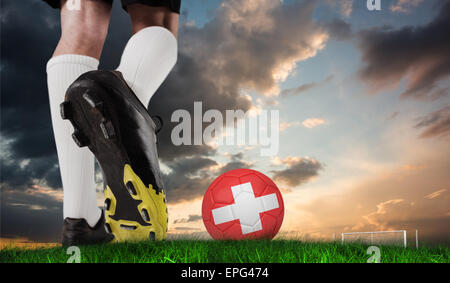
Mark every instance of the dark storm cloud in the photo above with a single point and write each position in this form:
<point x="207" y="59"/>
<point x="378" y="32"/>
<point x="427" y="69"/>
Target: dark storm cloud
<point x="20" y="175"/>
<point x="421" y="54"/>
<point x="237" y="161"/>
<point x="191" y="166"/>
<point x="339" y="29"/>
<point x="298" y="171"/>
<point x="436" y="124"/>
<point x="236" y="164"/>
<point x="35" y="216"/>
<point x="189" y="178"/>
<point x="25" y="115"/>
<point x="237" y="156"/>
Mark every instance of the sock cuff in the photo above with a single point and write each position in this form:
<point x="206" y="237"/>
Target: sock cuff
<point x="89" y="62"/>
<point x="148" y="58"/>
<point x="157" y="30"/>
<point x="158" y="39"/>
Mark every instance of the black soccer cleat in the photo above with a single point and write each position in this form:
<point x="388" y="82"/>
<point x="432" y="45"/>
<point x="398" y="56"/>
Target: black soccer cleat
<point x="110" y="120"/>
<point x="78" y="232"/>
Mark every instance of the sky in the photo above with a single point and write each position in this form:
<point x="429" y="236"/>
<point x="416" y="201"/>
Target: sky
<point x="363" y="98"/>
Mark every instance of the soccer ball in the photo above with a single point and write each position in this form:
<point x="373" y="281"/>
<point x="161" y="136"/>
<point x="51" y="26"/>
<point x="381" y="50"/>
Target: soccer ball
<point x="242" y="204"/>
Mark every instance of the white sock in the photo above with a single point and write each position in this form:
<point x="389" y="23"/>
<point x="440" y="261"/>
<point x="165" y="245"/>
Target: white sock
<point x="76" y="164"/>
<point x="148" y="58"/>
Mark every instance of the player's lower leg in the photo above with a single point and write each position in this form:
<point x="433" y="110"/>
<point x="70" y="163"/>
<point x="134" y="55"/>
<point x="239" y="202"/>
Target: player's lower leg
<point x="78" y="50"/>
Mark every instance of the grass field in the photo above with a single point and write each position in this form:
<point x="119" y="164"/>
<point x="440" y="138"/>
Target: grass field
<point x="189" y="251"/>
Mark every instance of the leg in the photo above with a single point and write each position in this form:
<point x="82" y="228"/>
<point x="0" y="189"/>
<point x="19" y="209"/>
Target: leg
<point x="151" y="53"/>
<point x="83" y="34"/>
<point x="143" y="16"/>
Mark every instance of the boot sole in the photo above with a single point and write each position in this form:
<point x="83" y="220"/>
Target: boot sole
<point x="143" y="210"/>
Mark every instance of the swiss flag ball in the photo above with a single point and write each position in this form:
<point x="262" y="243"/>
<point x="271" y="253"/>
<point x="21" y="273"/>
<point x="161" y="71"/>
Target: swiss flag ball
<point x="242" y="204"/>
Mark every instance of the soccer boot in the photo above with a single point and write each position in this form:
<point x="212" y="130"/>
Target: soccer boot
<point x="78" y="232"/>
<point x="110" y="120"/>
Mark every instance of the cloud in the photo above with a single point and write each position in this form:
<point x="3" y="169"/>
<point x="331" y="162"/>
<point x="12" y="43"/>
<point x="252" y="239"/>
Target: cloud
<point x="404" y="6"/>
<point x="390" y="199"/>
<point x="376" y="218"/>
<point x="35" y="214"/>
<point x="418" y="54"/>
<point x="234" y="157"/>
<point x="298" y="90"/>
<point x="28" y="149"/>
<point x="23" y="173"/>
<point x="189" y="178"/>
<point x="252" y="45"/>
<point x="236" y="162"/>
<point x="235" y="165"/>
<point x="436" y="124"/>
<point x="313" y="122"/>
<point x="395" y="214"/>
<point x="286" y="125"/>
<point x="435" y="194"/>
<point x="304" y="87"/>
<point x="299" y="171"/>
<point x="346" y="7"/>
<point x="191" y="218"/>
<point x="339" y="29"/>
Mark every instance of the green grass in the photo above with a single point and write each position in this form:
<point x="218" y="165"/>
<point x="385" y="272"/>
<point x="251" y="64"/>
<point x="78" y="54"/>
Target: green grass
<point x="191" y="251"/>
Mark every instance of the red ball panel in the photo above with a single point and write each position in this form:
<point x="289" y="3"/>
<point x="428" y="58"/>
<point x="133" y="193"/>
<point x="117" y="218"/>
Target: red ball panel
<point x="220" y="195"/>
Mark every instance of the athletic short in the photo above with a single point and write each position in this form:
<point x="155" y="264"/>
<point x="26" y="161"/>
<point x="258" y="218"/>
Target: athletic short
<point x="173" y="5"/>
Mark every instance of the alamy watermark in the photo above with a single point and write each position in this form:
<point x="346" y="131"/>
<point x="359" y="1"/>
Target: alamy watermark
<point x="75" y="254"/>
<point x="73" y="5"/>
<point x="373" y="5"/>
<point x="375" y="253"/>
<point x="252" y="128"/>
